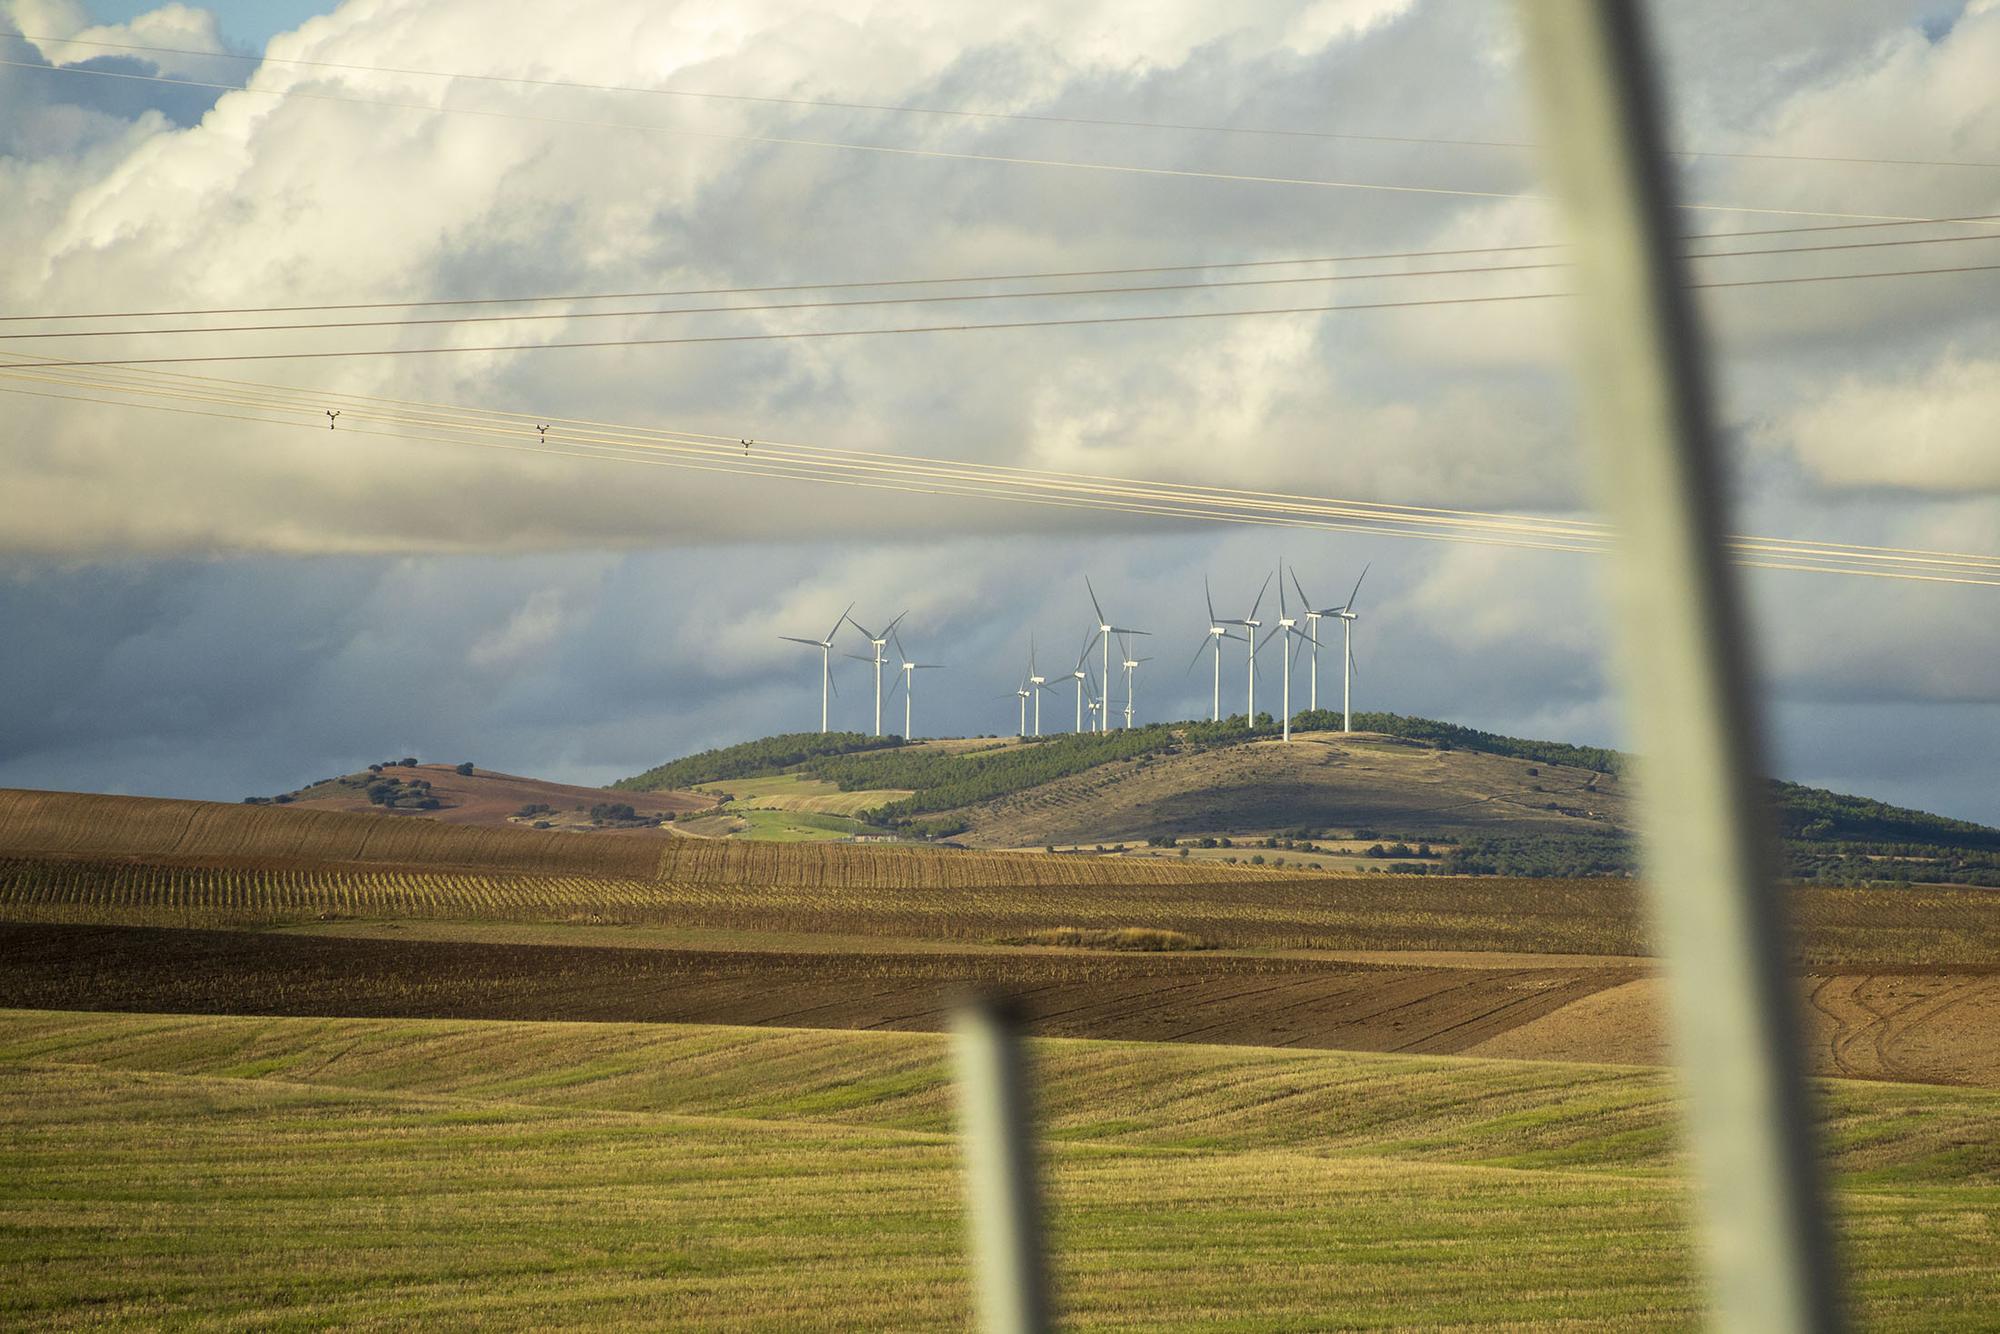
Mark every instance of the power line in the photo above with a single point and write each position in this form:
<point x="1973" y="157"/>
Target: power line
<point x="1073" y="322"/>
<point x="716" y="453"/>
<point x="960" y="113"/>
<point x="936" y="298"/>
<point x="1127" y="169"/>
<point x="1047" y="275"/>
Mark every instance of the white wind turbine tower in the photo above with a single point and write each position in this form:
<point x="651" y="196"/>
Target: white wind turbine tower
<point x="825" y="647"/>
<point x="1080" y="673"/>
<point x="1022" y="692"/>
<point x="1105" y="629"/>
<point x="1130" y="664"/>
<point x="878" y="641"/>
<point x="1287" y="628"/>
<point x="1312" y="629"/>
<point x="1217" y="632"/>
<point x="1347" y="619"/>
<point x="1037" y="683"/>
<point x="909" y="671"/>
<point x="1249" y="624"/>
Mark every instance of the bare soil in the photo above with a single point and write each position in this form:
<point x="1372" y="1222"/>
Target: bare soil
<point x="1911" y="1025"/>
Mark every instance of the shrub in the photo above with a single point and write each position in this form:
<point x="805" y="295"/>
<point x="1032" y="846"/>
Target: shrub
<point x="1120" y="938"/>
<point x="463" y="770"/>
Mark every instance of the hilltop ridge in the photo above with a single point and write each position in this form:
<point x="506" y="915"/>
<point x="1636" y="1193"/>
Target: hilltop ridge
<point x="1491" y="803"/>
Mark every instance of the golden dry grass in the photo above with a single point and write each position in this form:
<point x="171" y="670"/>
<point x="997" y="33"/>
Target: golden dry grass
<point x="168" y="1170"/>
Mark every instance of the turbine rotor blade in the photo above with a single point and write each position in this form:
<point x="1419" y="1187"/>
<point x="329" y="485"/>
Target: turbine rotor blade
<point x="1304" y="601"/>
<point x="1209" y="594"/>
<point x="1093" y="600"/>
<point x="836" y="625"/>
<point x="794" y="639"/>
<point x="1357" y="586"/>
<point x="1258" y="603"/>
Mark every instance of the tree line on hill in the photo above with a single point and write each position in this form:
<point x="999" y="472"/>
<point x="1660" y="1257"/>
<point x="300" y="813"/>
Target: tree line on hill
<point x="753" y="759"/>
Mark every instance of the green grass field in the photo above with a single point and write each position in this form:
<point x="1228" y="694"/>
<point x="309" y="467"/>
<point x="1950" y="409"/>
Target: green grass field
<point x="230" y="1171"/>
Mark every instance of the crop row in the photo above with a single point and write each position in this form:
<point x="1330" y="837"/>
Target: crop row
<point x="850" y="866"/>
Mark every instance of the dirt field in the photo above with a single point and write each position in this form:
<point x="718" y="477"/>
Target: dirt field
<point x="1913" y="1026"/>
<point x="81" y="824"/>
<point x="1321" y="779"/>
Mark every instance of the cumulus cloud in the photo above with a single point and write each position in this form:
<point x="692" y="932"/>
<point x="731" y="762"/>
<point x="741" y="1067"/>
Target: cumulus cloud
<point x="1929" y="429"/>
<point x="616" y="613"/>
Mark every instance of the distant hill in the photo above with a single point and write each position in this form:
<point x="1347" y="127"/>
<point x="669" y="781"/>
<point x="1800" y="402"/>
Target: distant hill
<point x="1489" y="803"/>
<point x="494" y="800"/>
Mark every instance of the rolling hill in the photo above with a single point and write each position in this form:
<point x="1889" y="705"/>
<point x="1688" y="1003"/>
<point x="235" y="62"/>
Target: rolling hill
<point x="447" y="793"/>
<point x="1490" y="804"/>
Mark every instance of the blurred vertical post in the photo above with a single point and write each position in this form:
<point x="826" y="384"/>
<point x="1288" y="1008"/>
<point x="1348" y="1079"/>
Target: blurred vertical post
<point x="1710" y="860"/>
<point x="1001" y="1178"/>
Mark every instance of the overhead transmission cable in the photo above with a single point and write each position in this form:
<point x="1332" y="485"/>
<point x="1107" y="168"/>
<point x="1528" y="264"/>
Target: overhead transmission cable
<point x="829" y="104"/>
<point x="1157" y="317"/>
<point x="1047" y="275"/>
<point x="708" y="452"/>
<point x="906" y="151"/>
<point x="939" y="297"/>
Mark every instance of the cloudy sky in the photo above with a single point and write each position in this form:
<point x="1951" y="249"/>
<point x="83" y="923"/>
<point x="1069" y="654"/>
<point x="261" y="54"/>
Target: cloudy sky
<point x="199" y="605"/>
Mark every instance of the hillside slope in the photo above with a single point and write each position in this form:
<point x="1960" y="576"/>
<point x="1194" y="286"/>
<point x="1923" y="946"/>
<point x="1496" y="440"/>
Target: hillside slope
<point x="1397" y="788"/>
<point x="1497" y="804"/>
<point x="494" y="800"/>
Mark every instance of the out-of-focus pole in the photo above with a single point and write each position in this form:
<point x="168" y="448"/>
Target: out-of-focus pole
<point x="1710" y="859"/>
<point x="1002" y="1189"/>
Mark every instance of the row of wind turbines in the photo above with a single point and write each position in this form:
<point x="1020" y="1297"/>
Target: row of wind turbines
<point x="1296" y="634"/>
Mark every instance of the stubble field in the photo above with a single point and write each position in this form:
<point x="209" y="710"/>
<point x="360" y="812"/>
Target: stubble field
<point x="217" y="1172"/>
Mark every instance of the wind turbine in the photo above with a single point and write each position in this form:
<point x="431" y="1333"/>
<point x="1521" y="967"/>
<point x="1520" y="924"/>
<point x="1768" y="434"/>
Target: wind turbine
<point x="909" y="670"/>
<point x="1249" y="624"/>
<point x="1288" y="628"/>
<point x="825" y="647"/>
<point x="878" y="641"/>
<point x="1129" y="664"/>
<point x="1312" y="629"/>
<point x="1080" y="674"/>
<point x="1022" y="692"/>
<point x="1105" y="629"/>
<point x="1217" y="632"/>
<point x="1038" y="683"/>
<point x="1347" y="618"/>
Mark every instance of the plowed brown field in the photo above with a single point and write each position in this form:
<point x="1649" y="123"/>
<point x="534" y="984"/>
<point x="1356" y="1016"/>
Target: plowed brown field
<point x="1913" y="1026"/>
